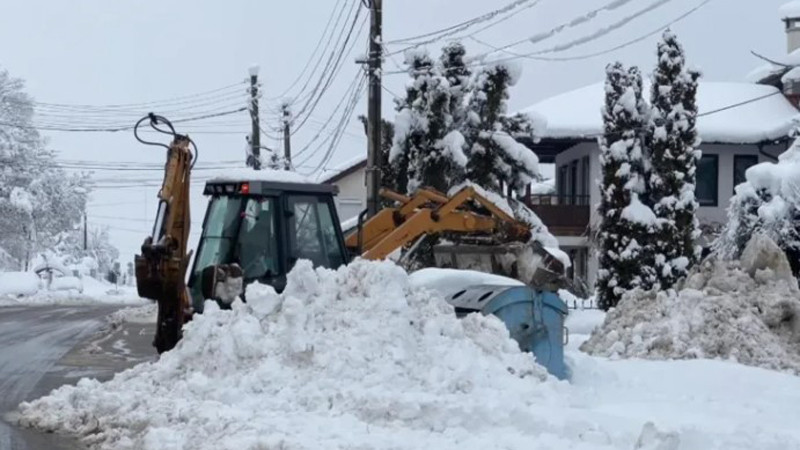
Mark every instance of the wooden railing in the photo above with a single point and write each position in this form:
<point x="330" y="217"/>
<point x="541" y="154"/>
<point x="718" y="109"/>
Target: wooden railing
<point x="564" y="215"/>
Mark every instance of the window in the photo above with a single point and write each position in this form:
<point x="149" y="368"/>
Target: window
<point x="740" y="165"/>
<point x="562" y="184"/>
<point x="257" y="247"/>
<point x="585" y="179"/>
<point x="707" y="180"/>
<point x="573" y="182"/>
<point x="312" y="233"/>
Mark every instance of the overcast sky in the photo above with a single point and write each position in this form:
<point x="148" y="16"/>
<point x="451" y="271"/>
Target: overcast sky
<point x="102" y="52"/>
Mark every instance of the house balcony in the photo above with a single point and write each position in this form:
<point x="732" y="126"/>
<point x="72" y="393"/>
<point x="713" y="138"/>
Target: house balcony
<point x="563" y="215"/>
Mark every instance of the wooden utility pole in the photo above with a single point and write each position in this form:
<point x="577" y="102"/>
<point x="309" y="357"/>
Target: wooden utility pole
<point x="287" y="137"/>
<point x="255" y="133"/>
<point x="374" y="63"/>
<point x="85" y="233"/>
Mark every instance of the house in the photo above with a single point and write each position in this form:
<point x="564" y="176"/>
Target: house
<point x="349" y="177"/>
<point x="740" y="125"/>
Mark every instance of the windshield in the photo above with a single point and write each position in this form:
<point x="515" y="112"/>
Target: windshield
<point x="240" y="231"/>
<point x="257" y="251"/>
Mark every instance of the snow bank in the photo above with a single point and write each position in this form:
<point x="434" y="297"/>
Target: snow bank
<point x="25" y="288"/>
<point x="353" y="358"/>
<point x="749" y="312"/>
<point x="19" y="283"/>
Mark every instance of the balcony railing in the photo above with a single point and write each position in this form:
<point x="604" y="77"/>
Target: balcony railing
<point x="564" y="215"/>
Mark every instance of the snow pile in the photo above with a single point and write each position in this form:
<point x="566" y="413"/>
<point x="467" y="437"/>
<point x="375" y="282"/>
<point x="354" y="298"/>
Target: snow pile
<point x="27" y="288"/>
<point x="14" y="284"/>
<point x="748" y="311"/>
<point x="353" y="358"/>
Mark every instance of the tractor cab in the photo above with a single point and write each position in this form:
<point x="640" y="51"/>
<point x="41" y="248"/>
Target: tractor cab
<point x="265" y="227"/>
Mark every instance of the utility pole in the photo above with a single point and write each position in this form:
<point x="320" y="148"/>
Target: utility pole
<point x="85" y="233"/>
<point x="255" y="133"/>
<point x="374" y="63"/>
<point x="287" y="137"/>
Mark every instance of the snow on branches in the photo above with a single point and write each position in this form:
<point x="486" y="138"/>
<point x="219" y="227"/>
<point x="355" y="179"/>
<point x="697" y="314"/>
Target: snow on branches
<point x="626" y="257"/>
<point x="452" y="126"/>
<point x="673" y="141"/>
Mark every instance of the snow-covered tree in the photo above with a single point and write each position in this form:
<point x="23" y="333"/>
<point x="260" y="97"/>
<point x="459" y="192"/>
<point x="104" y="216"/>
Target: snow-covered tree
<point x="769" y="203"/>
<point x="424" y="140"/>
<point x="626" y="256"/>
<point x="455" y="69"/>
<point x="38" y="200"/>
<point x="496" y="158"/>
<point x="672" y="141"/>
<point x="99" y="255"/>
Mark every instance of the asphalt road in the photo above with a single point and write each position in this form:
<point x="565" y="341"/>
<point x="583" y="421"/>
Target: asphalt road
<point x="43" y="347"/>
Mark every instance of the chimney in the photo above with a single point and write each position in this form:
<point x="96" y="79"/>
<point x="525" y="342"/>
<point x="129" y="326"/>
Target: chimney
<point x="790" y="14"/>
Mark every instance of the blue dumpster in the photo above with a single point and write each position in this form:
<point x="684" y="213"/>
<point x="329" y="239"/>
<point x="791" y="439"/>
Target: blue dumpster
<point x="534" y="319"/>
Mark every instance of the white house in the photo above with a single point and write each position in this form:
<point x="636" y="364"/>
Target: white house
<point x="349" y="177"/>
<point x="740" y="124"/>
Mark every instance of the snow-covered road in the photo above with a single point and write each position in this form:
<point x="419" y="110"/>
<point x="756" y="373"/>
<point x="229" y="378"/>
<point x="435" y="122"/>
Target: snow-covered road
<point x="32" y="340"/>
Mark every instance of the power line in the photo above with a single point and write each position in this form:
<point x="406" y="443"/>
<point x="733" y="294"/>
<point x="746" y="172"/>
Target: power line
<point x="313" y="53"/>
<point x="314" y="99"/>
<point x="437" y="35"/>
<point x="477" y="62"/>
<point x="117" y="129"/>
<point x="133" y="105"/>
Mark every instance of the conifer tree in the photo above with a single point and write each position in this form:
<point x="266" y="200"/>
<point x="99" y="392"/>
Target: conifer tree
<point x="425" y="142"/>
<point x="672" y="141"/>
<point x="626" y="257"/>
<point x="495" y="157"/>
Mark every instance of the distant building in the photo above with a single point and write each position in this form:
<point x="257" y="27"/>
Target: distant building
<point x="740" y="124"/>
<point x="349" y="177"/>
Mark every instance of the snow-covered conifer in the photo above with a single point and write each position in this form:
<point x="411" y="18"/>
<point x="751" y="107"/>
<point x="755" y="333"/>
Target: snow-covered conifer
<point x="425" y="141"/>
<point x="626" y="259"/>
<point x="496" y="158"/>
<point x="672" y="141"/>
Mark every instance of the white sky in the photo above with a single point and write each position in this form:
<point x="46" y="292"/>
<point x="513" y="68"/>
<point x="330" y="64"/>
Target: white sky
<point x="125" y="51"/>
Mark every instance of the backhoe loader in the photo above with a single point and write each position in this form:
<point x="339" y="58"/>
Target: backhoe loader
<point x="258" y="224"/>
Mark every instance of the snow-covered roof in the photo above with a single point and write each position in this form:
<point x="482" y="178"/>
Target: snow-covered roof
<point x="332" y="174"/>
<point x="577" y="114"/>
<point x="784" y="63"/>
<point x="246" y="174"/>
<point x="790" y="10"/>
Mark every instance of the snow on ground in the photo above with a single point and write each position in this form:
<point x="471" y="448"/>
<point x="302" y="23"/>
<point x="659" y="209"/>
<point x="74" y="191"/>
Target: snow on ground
<point x="748" y="312"/>
<point x="25" y="288"/>
<point x="357" y="358"/>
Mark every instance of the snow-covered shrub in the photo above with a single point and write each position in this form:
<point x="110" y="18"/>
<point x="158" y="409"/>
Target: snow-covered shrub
<point x="672" y="148"/>
<point x="768" y="202"/>
<point x="627" y="224"/>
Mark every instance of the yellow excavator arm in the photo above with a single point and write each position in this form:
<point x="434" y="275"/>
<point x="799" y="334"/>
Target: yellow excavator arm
<point x="161" y="267"/>
<point x="429" y="211"/>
